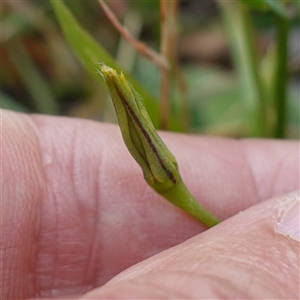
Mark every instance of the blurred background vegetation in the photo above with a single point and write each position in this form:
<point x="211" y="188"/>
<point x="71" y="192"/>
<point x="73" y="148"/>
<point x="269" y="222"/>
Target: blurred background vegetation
<point x="234" y="65"/>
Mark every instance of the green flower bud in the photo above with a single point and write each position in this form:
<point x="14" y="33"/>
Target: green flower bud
<point x="157" y="162"/>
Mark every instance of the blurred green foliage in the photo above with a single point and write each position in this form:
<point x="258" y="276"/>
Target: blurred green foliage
<point x="276" y="6"/>
<point x="230" y="95"/>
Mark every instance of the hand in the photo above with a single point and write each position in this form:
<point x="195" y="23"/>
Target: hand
<point x="76" y="212"/>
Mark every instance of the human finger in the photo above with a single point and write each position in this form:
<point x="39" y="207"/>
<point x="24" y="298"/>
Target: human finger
<point x="73" y="198"/>
<point x="253" y="255"/>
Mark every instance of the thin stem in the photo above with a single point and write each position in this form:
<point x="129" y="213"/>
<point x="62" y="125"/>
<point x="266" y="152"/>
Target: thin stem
<point x="281" y="76"/>
<point x="169" y="11"/>
<point x="183" y="91"/>
<point x="180" y="83"/>
<point x="157" y="59"/>
<point x="181" y="197"/>
<point x="177" y="74"/>
<point x="165" y="74"/>
<point x="261" y="123"/>
<point x="240" y="28"/>
<point x="41" y="94"/>
<point x="126" y="54"/>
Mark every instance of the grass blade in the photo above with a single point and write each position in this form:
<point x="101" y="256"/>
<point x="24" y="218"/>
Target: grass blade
<point x="90" y="53"/>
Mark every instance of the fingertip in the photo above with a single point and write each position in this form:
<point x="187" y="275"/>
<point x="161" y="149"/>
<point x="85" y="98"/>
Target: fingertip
<point x="249" y="255"/>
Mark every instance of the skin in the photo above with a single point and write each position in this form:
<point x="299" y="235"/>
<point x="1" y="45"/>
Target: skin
<point x="76" y="212"/>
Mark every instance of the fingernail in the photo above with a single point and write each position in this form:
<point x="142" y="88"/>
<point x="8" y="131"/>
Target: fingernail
<point x="289" y="221"/>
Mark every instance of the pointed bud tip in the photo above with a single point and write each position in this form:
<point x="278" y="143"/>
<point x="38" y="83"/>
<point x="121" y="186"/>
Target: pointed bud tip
<point x="105" y="69"/>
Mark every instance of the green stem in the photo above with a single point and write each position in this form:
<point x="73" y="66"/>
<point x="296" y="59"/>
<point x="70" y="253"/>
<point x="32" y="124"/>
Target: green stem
<point x="240" y="29"/>
<point x="260" y="128"/>
<point x="280" y="80"/>
<point x="182" y="198"/>
<point x="41" y="93"/>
